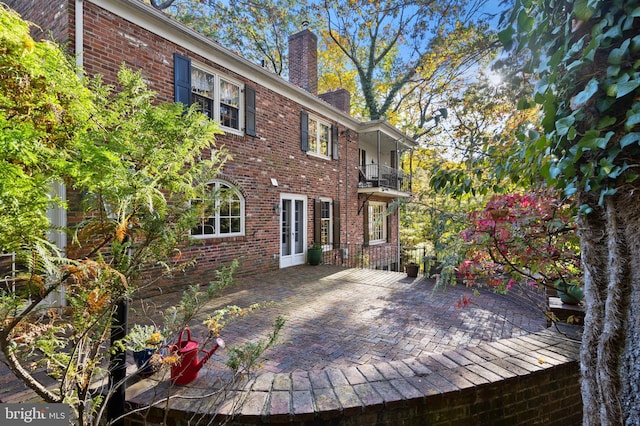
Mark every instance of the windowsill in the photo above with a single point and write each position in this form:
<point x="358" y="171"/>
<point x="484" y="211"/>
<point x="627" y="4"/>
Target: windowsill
<point x="318" y="156"/>
<point x="215" y="237"/>
<point x="231" y="131"/>
<point x="377" y="242"/>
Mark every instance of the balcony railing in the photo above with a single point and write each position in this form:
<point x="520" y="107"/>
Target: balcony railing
<point x="378" y="256"/>
<point x="381" y="176"/>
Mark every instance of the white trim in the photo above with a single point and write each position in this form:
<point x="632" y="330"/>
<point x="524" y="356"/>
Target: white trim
<point x="295" y="258"/>
<point x="383" y="223"/>
<point x="326" y="247"/>
<point x="320" y="122"/>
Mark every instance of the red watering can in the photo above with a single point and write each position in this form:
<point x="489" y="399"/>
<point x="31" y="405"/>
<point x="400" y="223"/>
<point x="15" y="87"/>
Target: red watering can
<point x="186" y="369"/>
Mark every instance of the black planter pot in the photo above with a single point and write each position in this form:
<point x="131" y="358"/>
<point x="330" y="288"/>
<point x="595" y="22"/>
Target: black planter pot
<point x="142" y="359"/>
<point x="412" y="269"/>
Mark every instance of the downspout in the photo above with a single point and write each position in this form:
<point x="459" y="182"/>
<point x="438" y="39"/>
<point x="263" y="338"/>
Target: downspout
<point x="117" y="362"/>
<point x="397" y="172"/>
<point x="58" y="215"/>
<point x="346" y="189"/>
<point x="79" y="34"/>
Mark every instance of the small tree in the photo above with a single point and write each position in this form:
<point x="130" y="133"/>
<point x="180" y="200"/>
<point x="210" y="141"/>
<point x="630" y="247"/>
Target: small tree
<point x="133" y="165"/>
<point x="519" y="237"/>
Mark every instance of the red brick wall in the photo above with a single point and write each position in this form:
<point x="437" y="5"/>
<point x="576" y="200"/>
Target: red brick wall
<point x="527" y="380"/>
<point x="58" y="15"/>
<point x="275" y="153"/>
<point x="340" y="99"/>
<point x="303" y="60"/>
<point x="110" y="41"/>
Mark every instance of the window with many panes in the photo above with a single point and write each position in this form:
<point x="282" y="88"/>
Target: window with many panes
<point x="218" y="97"/>
<point x="377" y="222"/>
<point x="326" y="223"/>
<point x="221" y="212"/>
<point x="319" y="137"/>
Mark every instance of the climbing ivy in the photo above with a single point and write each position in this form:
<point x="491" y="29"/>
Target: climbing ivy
<point x="591" y="111"/>
<point x="584" y="56"/>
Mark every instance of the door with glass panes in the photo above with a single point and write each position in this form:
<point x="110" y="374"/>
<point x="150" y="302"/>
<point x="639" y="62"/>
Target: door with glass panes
<point x="293" y="225"/>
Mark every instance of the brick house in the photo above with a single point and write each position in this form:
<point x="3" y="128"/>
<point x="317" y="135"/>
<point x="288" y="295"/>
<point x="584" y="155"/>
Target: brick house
<point x="303" y="169"/>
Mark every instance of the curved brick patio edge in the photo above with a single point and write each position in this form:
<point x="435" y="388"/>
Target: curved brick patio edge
<point x="353" y="391"/>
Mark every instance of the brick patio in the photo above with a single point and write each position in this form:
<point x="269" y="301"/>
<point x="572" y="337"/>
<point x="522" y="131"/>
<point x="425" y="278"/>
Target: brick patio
<point x="358" y="340"/>
<point x="340" y="317"/>
<point x="362" y="347"/>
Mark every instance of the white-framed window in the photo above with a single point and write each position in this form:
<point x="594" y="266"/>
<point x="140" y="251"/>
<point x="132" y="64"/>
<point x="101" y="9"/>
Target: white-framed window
<point x="319" y="137"/>
<point x="326" y="222"/>
<point x="218" y="97"/>
<point x="221" y="212"/>
<point x="377" y="222"/>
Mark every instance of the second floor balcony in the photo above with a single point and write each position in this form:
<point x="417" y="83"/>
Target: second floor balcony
<point x="382" y="152"/>
<point x="381" y="178"/>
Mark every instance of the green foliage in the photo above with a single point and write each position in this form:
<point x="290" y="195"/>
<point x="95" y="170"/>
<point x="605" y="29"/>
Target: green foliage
<point x="43" y="108"/>
<point x="591" y="127"/>
<point x="242" y="358"/>
<point x="257" y="29"/>
<point x="435" y="219"/>
<point x="585" y="58"/>
<point x="483" y="140"/>
<point x="406" y="53"/>
<point x="136" y="163"/>
<point x="193" y="299"/>
<point x="141" y="337"/>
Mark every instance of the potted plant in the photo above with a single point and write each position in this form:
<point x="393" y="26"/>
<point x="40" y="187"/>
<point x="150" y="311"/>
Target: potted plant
<point x="571" y="294"/>
<point x="412" y="269"/>
<point x="143" y="341"/>
<point x="314" y="254"/>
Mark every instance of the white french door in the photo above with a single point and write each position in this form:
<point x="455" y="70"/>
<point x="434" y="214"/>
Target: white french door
<point x="293" y="229"/>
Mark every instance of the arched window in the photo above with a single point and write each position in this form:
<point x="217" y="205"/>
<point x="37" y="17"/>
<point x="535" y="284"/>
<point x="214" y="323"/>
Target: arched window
<point x="221" y="212"/>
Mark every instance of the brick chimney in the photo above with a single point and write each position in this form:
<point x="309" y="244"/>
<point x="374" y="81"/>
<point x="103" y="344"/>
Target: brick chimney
<point x="303" y="60"/>
<point x="340" y="99"/>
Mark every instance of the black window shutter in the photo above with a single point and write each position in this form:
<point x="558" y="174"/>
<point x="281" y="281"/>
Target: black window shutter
<point x="250" y="111"/>
<point x="182" y="79"/>
<point x="365" y="219"/>
<point x="334" y="141"/>
<point x="317" y="221"/>
<point x="336" y="223"/>
<point x="304" y="131"/>
<point x="389" y="230"/>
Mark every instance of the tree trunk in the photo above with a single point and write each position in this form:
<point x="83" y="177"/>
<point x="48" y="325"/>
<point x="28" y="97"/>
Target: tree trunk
<point x="610" y="354"/>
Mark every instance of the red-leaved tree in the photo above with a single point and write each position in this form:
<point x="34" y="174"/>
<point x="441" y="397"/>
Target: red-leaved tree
<point x="524" y="237"/>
